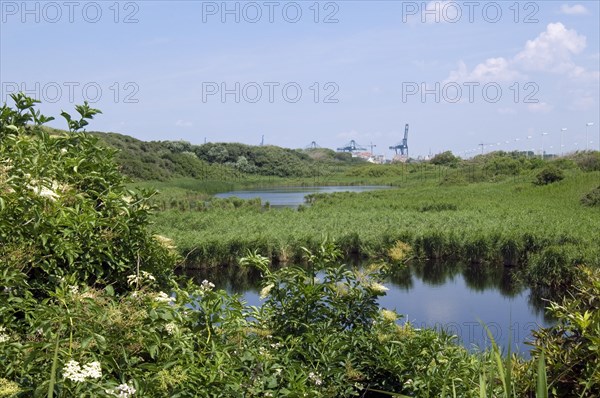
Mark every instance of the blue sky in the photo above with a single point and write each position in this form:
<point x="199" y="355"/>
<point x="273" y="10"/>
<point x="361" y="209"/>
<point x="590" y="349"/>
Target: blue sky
<point x="158" y="70"/>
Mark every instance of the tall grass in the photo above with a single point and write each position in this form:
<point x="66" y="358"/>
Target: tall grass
<point x="544" y="229"/>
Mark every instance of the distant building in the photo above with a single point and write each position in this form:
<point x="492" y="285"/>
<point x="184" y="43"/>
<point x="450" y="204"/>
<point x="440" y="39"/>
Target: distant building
<point x="369" y="157"/>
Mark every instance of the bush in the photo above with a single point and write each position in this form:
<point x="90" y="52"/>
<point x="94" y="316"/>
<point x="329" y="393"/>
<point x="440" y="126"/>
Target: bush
<point x="588" y="161"/>
<point x="555" y="266"/>
<point x="549" y="175"/>
<point x="592" y="198"/>
<point x="65" y="211"/>
<point x="445" y="159"/>
<point x="571" y="346"/>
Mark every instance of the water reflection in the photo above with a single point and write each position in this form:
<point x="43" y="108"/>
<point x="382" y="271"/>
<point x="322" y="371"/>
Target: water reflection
<point x="435" y="273"/>
<point x="437" y="294"/>
<point x="235" y="280"/>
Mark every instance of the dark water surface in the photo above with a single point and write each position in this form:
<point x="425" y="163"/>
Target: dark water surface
<point x="293" y="196"/>
<point x="455" y="297"/>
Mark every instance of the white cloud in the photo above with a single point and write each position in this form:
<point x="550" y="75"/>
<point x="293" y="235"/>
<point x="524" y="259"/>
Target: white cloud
<point x="576" y="9"/>
<point x="540" y="107"/>
<point x="492" y="70"/>
<point x="183" y="123"/>
<point x="551" y="51"/>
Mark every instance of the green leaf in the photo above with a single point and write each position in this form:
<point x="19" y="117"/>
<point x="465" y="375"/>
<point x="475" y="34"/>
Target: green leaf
<point x="542" y="383"/>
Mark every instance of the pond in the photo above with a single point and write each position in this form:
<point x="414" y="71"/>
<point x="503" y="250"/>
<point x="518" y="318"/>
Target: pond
<point x="456" y="297"/>
<point x="293" y="196"/>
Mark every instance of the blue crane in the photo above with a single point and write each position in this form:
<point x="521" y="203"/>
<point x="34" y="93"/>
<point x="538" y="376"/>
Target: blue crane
<point x="352" y="146"/>
<point x="403" y="146"/>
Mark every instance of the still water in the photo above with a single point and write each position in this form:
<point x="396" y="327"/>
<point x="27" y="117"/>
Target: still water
<point x="293" y="196"/>
<point x="455" y="297"/>
<point x="458" y="298"/>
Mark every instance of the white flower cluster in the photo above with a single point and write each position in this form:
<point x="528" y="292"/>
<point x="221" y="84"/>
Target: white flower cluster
<point x="163" y="297"/>
<point x="165" y="242"/>
<point x="74" y="289"/>
<point x="170" y="328"/>
<point x="74" y="372"/>
<point x="142" y="278"/>
<point x="377" y="287"/>
<point x="388" y="315"/>
<point x="315" y="378"/>
<point x="264" y="292"/>
<point x="4" y="337"/>
<point x="49" y="192"/>
<point x="207" y="286"/>
<point x="122" y="391"/>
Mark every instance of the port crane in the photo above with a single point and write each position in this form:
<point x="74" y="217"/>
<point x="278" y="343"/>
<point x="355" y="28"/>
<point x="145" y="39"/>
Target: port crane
<point x="403" y="146"/>
<point x="313" y="145"/>
<point x="352" y="146"/>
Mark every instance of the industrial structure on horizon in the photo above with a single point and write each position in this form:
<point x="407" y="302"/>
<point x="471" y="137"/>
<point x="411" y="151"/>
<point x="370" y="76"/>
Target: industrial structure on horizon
<point x="360" y="151"/>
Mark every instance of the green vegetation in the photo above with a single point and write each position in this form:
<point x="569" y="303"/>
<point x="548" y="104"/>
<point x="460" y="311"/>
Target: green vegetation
<point x="591" y="198"/>
<point x="445" y="159"/>
<point x="543" y="228"/>
<point x="571" y="347"/>
<point x="549" y="175"/>
<point x="90" y="306"/>
<point x="165" y="160"/>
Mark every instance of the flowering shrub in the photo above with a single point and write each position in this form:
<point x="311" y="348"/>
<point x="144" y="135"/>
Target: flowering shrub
<point x="64" y="209"/>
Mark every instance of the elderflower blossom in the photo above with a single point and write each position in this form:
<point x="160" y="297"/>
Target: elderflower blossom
<point x="315" y="378"/>
<point x="167" y="243"/>
<point x="264" y="293"/>
<point x="122" y="391"/>
<point x="8" y="388"/>
<point x="4" y="337"/>
<point x="389" y="315"/>
<point x="141" y="278"/>
<point x="162" y="297"/>
<point x="74" y="289"/>
<point x="207" y="286"/>
<point x="170" y="328"/>
<point x="74" y="372"/>
<point x="44" y="191"/>
<point x="93" y="370"/>
<point x="377" y="287"/>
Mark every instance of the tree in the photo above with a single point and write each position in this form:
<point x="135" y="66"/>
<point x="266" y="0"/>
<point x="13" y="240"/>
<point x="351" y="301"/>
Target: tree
<point x="445" y="159"/>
